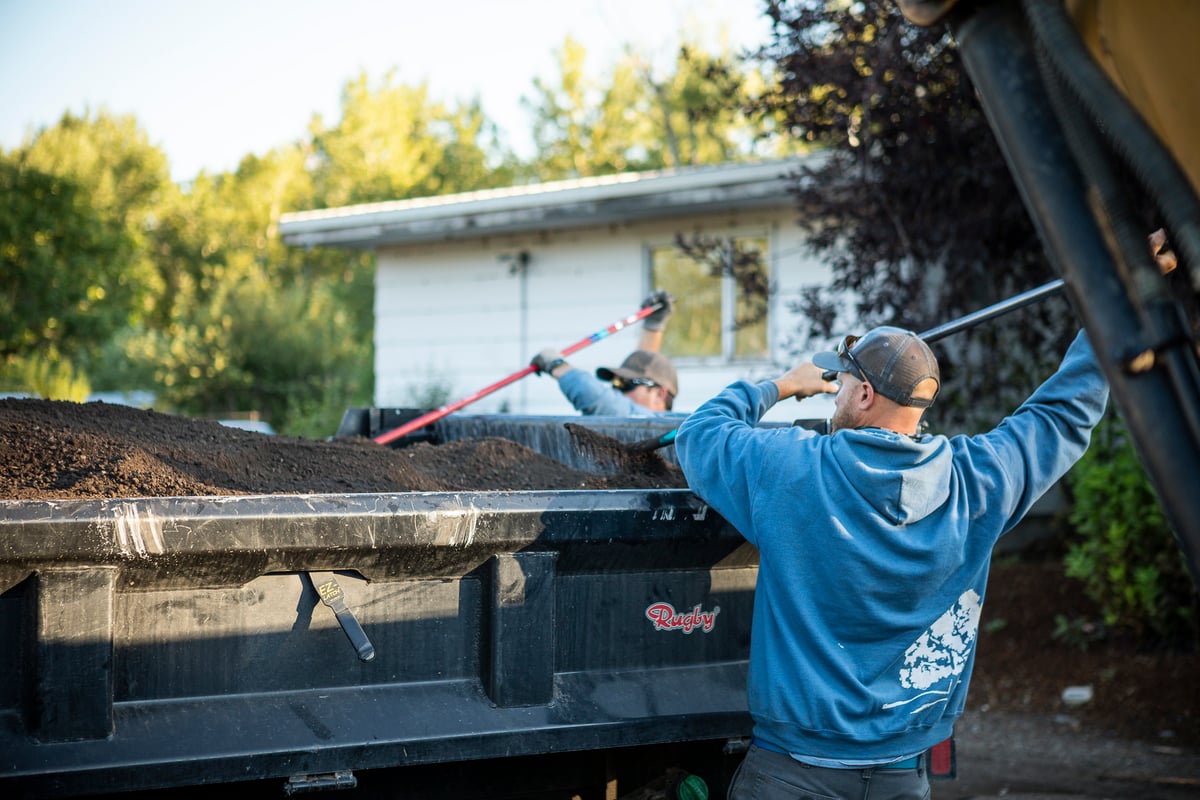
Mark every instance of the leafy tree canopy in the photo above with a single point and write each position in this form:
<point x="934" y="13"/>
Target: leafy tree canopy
<point x="111" y="156"/>
<point x="64" y="285"/>
<point x="247" y="323"/>
<point x="634" y="119"/>
<point x="395" y="142"/>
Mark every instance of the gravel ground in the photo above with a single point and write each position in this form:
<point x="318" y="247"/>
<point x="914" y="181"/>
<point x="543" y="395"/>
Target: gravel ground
<point x="1038" y="757"/>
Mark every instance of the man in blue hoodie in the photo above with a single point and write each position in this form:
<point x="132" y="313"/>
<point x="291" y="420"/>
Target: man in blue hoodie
<point x="874" y="545"/>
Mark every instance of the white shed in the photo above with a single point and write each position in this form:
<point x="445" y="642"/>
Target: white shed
<point x="470" y="286"/>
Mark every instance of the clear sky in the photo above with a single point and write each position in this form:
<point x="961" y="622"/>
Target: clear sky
<point x="210" y="81"/>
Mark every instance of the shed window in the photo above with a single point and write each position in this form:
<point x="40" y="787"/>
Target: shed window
<point x="721" y="301"/>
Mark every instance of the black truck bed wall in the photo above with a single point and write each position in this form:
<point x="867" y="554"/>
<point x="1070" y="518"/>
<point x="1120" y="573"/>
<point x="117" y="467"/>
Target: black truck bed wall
<point x="177" y="641"/>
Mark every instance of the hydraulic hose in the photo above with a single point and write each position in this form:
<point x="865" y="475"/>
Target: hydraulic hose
<point x="1166" y="337"/>
<point x="998" y="53"/>
<point x="1119" y="124"/>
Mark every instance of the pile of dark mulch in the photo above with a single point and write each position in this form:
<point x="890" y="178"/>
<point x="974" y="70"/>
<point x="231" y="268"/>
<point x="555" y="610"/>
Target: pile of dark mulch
<point x="61" y="450"/>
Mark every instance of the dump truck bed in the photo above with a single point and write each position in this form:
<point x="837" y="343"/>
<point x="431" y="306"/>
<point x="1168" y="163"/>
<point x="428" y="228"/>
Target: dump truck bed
<point x="181" y="641"/>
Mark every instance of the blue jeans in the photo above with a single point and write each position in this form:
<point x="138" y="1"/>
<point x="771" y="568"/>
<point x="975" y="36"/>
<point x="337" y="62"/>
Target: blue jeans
<point x="767" y="775"/>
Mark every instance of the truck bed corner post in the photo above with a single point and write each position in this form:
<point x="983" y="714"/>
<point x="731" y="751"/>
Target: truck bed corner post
<point x="519" y="659"/>
<point x="69" y="691"/>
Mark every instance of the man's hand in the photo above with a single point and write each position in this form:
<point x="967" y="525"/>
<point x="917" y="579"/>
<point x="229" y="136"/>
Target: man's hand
<point x="804" y="381"/>
<point x="547" y="361"/>
<point x="658" y="319"/>
<point x="1164" y="256"/>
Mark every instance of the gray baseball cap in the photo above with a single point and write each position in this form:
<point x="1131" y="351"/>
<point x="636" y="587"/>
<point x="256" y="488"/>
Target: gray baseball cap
<point x="894" y="361"/>
<point x="644" y="364"/>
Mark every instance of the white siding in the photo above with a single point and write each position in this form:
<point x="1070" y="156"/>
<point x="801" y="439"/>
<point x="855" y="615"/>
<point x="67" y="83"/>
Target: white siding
<point x="457" y="314"/>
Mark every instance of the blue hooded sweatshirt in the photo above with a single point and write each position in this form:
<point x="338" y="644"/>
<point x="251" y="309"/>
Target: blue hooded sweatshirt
<point x="874" y="550"/>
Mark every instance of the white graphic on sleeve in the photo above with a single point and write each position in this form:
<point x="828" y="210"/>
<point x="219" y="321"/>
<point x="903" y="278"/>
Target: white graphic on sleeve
<point x="942" y="651"/>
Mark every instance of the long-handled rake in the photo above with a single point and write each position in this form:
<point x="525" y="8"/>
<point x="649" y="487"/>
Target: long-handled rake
<point x="449" y="408"/>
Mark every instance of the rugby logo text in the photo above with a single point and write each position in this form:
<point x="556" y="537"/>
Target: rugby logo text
<point x="666" y="618"/>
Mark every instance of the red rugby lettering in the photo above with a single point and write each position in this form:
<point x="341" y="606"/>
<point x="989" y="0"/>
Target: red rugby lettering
<point x="665" y="618"/>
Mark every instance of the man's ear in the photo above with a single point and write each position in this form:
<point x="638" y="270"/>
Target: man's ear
<point x="866" y="395"/>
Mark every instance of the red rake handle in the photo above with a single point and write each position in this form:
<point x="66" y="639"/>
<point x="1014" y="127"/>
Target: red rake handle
<point x="450" y="408"/>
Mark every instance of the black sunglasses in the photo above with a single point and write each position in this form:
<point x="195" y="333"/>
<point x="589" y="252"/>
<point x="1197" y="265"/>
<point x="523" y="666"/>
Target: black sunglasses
<point x="844" y="350"/>
<point x="629" y="384"/>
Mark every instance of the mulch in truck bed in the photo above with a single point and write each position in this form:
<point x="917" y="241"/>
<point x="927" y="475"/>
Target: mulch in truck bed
<point x="53" y="450"/>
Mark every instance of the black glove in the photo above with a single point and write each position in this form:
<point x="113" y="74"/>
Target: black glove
<point x="658" y="319"/>
<point x="547" y="360"/>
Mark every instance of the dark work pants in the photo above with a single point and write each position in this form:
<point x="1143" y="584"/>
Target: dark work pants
<point x="767" y="775"/>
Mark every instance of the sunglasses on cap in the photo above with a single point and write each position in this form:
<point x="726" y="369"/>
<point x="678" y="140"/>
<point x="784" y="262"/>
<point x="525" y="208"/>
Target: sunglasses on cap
<point x="844" y="350"/>
<point x="629" y="384"/>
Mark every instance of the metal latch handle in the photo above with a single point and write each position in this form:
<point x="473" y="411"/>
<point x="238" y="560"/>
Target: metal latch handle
<point x="330" y="592"/>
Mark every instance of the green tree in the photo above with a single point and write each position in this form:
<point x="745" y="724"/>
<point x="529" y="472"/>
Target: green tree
<point x="247" y="324"/>
<point x="699" y="108"/>
<point x="562" y="130"/>
<point x="289" y="353"/>
<point x="632" y="119"/>
<point x="80" y="201"/>
<point x="110" y="155"/>
<point x="63" y="281"/>
<point x="394" y="142"/>
<point x="123" y="178"/>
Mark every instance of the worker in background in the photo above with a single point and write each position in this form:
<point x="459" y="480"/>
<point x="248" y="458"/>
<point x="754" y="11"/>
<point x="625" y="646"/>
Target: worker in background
<point x="644" y="385"/>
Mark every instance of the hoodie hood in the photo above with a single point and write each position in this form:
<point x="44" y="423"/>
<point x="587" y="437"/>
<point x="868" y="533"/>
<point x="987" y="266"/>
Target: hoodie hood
<point x="908" y="477"/>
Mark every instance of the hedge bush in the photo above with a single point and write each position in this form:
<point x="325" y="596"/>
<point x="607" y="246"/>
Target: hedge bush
<point x="1123" y="550"/>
